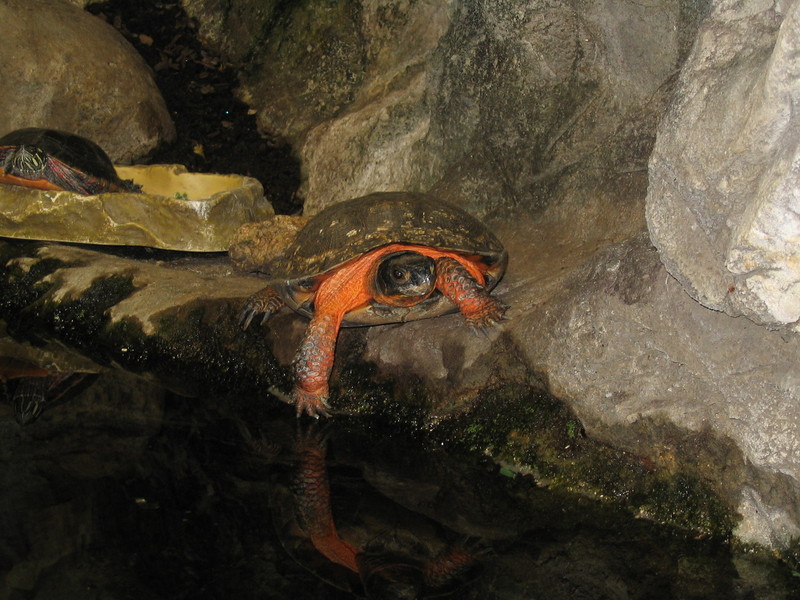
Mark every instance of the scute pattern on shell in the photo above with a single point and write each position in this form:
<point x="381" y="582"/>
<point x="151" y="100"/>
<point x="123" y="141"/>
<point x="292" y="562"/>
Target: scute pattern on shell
<point x="348" y="229"/>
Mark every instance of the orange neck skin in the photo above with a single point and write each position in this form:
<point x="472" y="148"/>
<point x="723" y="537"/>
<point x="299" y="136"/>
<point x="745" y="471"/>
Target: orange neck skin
<point x="350" y="286"/>
<point x="39" y="184"/>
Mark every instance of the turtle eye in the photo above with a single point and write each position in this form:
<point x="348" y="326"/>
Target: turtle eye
<point x="400" y="275"/>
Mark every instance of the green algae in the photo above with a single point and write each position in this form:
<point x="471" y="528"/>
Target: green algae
<point x="529" y="431"/>
<point x="22" y="277"/>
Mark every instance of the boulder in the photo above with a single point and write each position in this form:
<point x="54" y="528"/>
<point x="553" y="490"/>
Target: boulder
<point x="722" y="207"/>
<point x="65" y="69"/>
<point x="488" y="107"/>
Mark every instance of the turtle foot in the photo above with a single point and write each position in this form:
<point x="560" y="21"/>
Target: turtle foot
<point x="266" y="302"/>
<point x="478" y="306"/>
<point x="313" y="404"/>
<point x="490" y="313"/>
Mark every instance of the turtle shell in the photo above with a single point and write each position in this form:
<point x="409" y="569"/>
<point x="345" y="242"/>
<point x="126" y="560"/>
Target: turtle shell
<point x="349" y="229"/>
<point x="74" y="163"/>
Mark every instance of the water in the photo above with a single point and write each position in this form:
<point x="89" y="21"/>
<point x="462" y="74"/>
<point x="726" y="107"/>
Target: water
<point x="131" y="491"/>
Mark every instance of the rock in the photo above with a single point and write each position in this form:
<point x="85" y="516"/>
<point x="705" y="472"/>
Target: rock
<point x="176" y="210"/>
<point x="629" y="348"/>
<point x="65" y="69"/>
<point x="540" y="119"/>
<point x="310" y="57"/>
<point x="646" y="368"/>
<point x="255" y="245"/>
<point x="723" y="200"/>
<point x="485" y="106"/>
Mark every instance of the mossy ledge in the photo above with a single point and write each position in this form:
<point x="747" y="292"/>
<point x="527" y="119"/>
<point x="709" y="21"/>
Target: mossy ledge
<point x="529" y="433"/>
<point x="196" y="347"/>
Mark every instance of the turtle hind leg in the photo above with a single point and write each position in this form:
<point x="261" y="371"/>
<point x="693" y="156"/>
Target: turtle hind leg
<point x="266" y="302"/>
<point x="68" y="179"/>
<point x="480" y="308"/>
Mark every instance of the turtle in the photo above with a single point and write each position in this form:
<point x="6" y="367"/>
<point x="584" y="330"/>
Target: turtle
<point x="387" y="257"/>
<point x="49" y="159"/>
<point x="36" y="389"/>
<point x="411" y="559"/>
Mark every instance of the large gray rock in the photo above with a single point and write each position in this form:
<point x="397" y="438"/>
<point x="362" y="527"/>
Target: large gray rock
<point x="645" y="367"/>
<point x="65" y="69"/>
<point x="723" y="205"/>
<point x="487" y="104"/>
<point x="494" y="106"/>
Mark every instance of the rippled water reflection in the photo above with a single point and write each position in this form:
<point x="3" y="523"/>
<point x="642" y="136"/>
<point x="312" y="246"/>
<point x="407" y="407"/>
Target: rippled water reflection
<point x="130" y="491"/>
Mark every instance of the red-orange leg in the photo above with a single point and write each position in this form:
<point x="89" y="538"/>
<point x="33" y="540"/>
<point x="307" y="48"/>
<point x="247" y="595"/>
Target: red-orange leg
<point x="313" y="364"/>
<point x="473" y="300"/>
<point x="452" y="563"/>
<point x="312" y="491"/>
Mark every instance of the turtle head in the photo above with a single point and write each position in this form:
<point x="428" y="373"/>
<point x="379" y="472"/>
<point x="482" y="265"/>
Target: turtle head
<point x="404" y="278"/>
<point x="26" y="162"/>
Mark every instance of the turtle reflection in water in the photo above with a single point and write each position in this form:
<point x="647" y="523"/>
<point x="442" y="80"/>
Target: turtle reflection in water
<point x="33" y="389"/>
<point x="48" y="159"/>
<point x="389" y="567"/>
<point x="385" y="258"/>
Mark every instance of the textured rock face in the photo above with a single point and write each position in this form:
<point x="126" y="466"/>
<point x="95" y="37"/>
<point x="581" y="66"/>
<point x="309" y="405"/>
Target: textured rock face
<point x="256" y="245"/>
<point x="723" y="205"/>
<point x="488" y="104"/>
<point x="65" y="69"/>
<point x="494" y="105"/>
<point x="629" y="347"/>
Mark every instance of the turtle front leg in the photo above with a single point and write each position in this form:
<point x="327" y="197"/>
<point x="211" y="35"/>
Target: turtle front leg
<point x="266" y="302"/>
<point x="473" y="300"/>
<point x="312" y="493"/>
<point x="313" y="365"/>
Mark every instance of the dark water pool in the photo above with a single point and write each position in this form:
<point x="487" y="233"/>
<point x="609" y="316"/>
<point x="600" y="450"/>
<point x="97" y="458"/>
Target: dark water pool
<point x="130" y="491"/>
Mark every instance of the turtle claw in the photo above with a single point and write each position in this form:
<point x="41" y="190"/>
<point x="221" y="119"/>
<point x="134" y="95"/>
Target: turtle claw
<point x="312" y="404"/>
<point x="266" y="302"/>
<point x="492" y="315"/>
<point x="305" y="403"/>
<point x="246" y="316"/>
